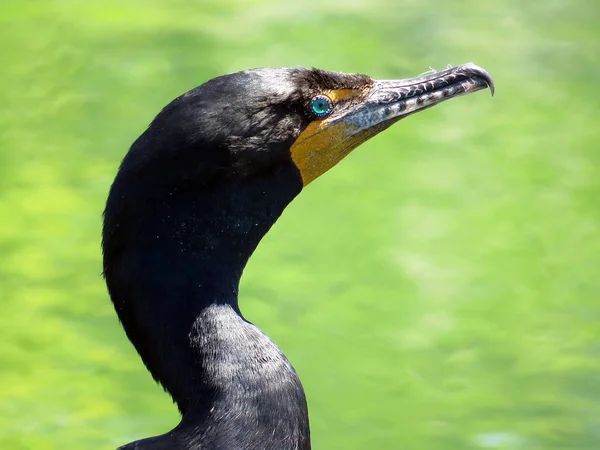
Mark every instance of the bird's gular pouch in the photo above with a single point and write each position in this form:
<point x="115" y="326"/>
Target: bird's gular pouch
<point x="323" y="144"/>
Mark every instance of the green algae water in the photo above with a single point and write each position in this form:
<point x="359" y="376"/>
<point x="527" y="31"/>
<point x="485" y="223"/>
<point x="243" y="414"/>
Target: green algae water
<point x="438" y="289"/>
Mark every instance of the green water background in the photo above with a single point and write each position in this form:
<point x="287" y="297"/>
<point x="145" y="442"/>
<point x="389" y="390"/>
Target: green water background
<point x="439" y="289"/>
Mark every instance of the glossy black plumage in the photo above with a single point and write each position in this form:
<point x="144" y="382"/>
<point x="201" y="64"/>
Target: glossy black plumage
<point x="192" y="199"/>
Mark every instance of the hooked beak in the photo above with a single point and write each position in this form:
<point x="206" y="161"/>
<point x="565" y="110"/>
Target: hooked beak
<point x="391" y="100"/>
<point x="325" y="142"/>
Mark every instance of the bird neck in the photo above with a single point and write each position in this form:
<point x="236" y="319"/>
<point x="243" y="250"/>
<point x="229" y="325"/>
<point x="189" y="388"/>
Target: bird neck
<point x="173" y="262"/>
<point x="253" y="395"/>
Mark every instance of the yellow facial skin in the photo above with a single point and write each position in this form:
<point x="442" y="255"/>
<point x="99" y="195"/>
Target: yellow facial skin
<point x="341" y="95"/>
<point x="323" y="144"/>
<point x="360" y="114"/>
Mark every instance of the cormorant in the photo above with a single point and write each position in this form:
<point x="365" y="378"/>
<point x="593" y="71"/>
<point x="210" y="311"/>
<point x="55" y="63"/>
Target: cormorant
<point x="191" y="201"/>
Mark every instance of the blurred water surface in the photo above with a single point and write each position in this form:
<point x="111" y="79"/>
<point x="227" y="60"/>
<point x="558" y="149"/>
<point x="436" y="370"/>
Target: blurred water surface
<point x="439" y="289"/>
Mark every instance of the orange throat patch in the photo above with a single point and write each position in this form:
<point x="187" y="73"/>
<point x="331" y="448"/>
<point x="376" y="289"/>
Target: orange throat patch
<point x="323" y="144"/>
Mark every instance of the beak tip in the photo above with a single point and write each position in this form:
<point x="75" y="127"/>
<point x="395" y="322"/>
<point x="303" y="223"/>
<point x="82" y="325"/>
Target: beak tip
<point x="481" y="73"/>
<point x="490" y="83"/>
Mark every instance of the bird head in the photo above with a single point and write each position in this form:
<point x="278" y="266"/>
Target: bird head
<point x="249" y="124"/>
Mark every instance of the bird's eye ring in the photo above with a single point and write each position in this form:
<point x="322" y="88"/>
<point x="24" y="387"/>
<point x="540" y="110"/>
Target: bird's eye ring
<point x="321" y="105"/>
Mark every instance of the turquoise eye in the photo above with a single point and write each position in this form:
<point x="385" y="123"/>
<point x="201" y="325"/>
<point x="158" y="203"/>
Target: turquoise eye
<point x="321" y="105"/>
